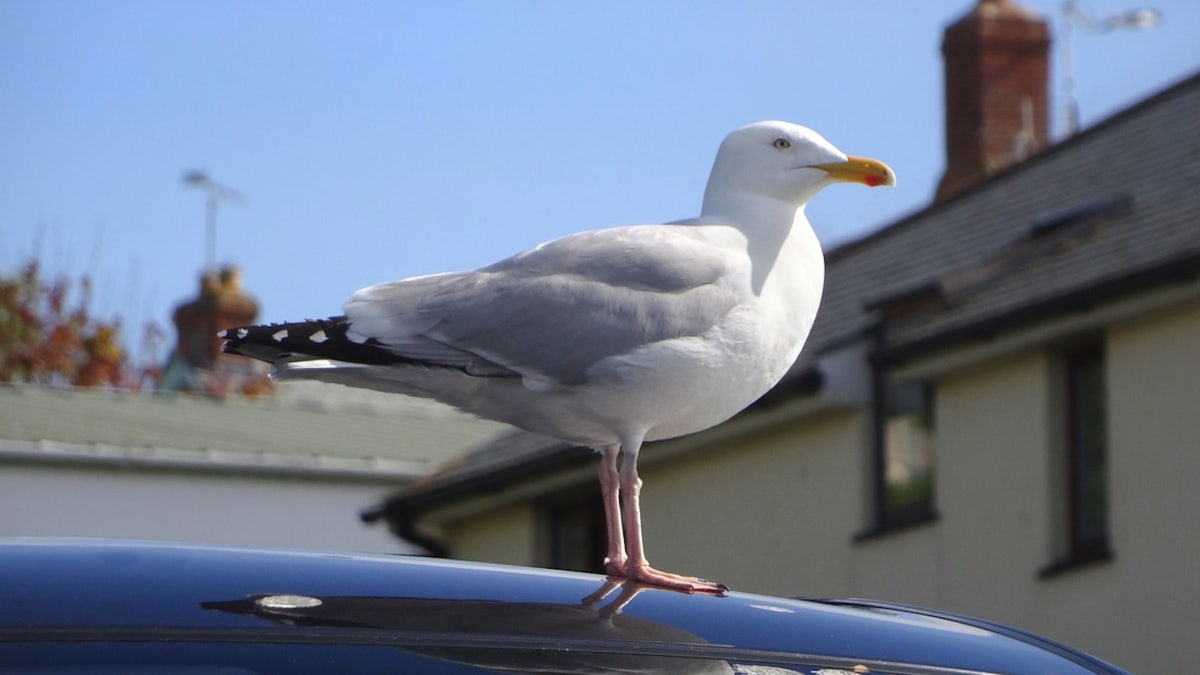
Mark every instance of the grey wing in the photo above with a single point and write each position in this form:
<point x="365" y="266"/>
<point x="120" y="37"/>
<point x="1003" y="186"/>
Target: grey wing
<point x="552" y="312"/>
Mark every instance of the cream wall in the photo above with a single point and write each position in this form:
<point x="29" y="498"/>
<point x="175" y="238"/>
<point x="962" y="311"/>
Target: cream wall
<point x="1149" y="602"/>
<point x="506" y="535"/>
<point x="992" y="487"/>
<point x="767" y="513"/>
<point x="776" y="511"/>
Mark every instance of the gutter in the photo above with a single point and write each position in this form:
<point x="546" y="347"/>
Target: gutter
<point x="154" y="458"/>
<point x="1177" y="272"/>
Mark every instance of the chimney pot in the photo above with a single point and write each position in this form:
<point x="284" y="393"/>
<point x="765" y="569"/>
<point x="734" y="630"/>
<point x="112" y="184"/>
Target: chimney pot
<point x="997" y="66"/>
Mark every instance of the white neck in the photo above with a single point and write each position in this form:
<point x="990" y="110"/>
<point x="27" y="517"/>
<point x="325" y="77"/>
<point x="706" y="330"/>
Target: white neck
<point x="767" y="224"/>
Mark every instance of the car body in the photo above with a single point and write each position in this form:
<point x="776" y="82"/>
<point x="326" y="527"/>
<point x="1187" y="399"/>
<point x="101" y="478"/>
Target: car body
<point x="82" y="606"/>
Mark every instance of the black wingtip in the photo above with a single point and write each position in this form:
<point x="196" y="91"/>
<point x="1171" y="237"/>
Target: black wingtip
<point x="317" y="339"/>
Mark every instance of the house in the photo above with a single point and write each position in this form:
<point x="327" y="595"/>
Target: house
<point x="995" y="412"/>
<point x="216" y="466"/>
<point x="291" y="470"/>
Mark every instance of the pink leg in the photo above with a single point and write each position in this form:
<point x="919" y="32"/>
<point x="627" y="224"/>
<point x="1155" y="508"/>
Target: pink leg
<point x="638" y="567"/>
<point x="610" y="487"/>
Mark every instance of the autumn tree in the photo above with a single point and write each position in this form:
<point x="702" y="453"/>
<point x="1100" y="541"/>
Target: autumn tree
<point x="47" y="336"/>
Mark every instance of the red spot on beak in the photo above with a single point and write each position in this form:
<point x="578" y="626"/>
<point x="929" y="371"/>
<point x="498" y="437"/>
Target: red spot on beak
<point x="873" y="180"/>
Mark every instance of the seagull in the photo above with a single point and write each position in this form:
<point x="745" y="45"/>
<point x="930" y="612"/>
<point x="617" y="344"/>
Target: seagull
<point x="605" y="338"/>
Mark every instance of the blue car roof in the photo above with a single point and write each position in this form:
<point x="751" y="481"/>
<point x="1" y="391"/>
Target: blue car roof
<point x="494" y="618"/>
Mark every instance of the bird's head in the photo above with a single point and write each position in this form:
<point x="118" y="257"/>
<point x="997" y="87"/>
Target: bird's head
<point x="787" y="163"/>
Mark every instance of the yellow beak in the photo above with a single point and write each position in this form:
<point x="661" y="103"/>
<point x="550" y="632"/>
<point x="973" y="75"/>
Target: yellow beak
<point x="871" y="172"/>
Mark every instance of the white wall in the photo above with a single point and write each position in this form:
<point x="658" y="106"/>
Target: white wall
<point x="87" y="502"/>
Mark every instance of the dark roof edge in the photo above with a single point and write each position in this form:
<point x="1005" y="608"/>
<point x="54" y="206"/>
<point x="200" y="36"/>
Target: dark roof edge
<point x="418" y="498"/>
<point x="1152" y="100"/>
<point x="1180" y="270"/>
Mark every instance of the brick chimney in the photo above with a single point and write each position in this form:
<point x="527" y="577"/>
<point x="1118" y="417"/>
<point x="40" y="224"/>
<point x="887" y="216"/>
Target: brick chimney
<point x="197" y="363"/>
<point x="222" y="303"/>
<point x="997" y="61"/>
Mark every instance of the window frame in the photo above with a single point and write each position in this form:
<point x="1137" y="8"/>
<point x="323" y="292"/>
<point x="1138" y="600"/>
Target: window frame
<point x="885" y="519"/>
<point x="585" y="504"/>
<point x="1073" y="456"/>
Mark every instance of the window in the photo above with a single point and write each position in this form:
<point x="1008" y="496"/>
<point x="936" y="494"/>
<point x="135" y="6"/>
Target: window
<point x="575" y="534"/>
<point x="1082" y="461"/>
<point x="908" y="452"/>
<point x="904" y="455"/>
<point x="1087" y="451"/>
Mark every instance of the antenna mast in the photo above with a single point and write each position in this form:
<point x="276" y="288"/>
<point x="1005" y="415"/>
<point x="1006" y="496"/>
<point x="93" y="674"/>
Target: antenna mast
<point x="215" y="193"/>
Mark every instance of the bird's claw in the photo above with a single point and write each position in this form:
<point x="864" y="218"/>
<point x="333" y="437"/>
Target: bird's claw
<point x="648" y="575"/>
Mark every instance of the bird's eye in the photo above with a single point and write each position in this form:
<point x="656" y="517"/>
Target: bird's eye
<point x="782" y="144"/>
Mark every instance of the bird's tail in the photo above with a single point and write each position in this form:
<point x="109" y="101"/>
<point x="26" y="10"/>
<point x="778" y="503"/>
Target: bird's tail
<point x="304" y="341"/>
<point x="321" y="350"/>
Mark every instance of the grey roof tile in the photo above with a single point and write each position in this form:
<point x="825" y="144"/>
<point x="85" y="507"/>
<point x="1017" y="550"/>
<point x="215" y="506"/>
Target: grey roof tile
<point x="325" y="425"/>
<point x="1149" y="154"/>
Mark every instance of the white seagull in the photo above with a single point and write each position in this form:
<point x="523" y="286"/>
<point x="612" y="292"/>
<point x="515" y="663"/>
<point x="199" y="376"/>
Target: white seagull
<point x="606" y="338"/>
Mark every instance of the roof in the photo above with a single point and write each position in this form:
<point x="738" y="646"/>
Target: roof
<point x="312" y="429"/>
<point x="255" y="608"/>
<point x="1114" y="201"/>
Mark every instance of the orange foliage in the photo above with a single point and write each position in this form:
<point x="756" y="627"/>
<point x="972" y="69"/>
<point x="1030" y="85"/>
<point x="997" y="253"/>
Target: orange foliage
<point x="45" y="341"/>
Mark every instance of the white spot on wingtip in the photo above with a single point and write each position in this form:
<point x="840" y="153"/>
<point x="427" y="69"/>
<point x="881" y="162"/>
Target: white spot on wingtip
<point x="242" y="333"/>
<point x="280" y="336"/>
<point x="318" y="337"/>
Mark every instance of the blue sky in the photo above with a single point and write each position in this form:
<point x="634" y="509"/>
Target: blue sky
<point x="378" y="140"/>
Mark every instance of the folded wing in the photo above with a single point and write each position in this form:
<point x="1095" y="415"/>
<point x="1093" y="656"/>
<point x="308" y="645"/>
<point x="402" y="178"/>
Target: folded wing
<point x="551" y="313"/>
